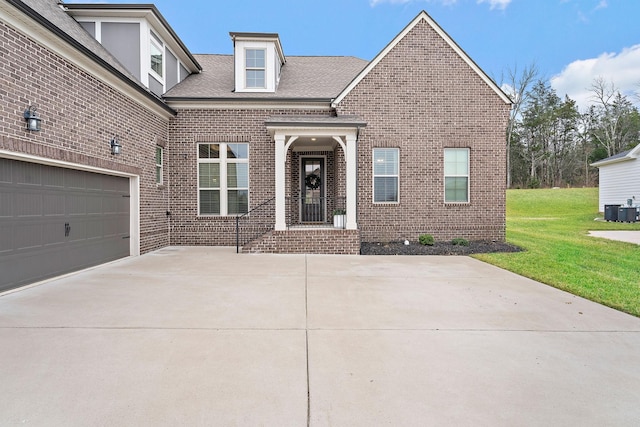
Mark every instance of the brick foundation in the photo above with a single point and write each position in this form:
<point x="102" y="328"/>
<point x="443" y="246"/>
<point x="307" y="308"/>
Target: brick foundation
<point x="307" y="241"/>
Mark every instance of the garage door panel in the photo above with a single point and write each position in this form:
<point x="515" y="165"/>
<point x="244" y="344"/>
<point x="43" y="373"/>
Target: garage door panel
<point x="95" y="228"/>
<point x="53" y="177"/>
<point x="53" y="204"/>
<point x="29" y="203"/>
<point x="94" y="204"/>
<point x="7" y="243"/>
<point x="75" y="204"/>
<point x="48" y="230"/>
<point x="53" y="231"/>
<point x="27" y="235"/>
<point x="74" y="179"/>
<point x="27" y="173"/>
<point x="6" y="171"/>
<point x="25" y="268"/>
<point x="6" y="202"/>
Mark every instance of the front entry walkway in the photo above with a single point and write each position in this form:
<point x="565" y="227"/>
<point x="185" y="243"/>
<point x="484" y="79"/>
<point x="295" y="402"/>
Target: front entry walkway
<point x="202" y="336"/>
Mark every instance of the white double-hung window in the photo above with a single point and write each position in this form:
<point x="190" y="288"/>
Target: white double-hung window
<point x="255" y="68"/>
<point x="385" y="175"/>
<point x="223" y="179"/>
<point x="456" y="175"/>
<point x="159" y="163"/>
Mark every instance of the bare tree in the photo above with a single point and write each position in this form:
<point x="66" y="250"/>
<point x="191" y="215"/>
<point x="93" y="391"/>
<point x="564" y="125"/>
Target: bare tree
<point x="516" y="85"/>
<point x="614" y="115"/>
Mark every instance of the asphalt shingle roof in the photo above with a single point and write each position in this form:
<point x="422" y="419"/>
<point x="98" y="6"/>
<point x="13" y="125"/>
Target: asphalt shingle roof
<point x="310" y="77"/>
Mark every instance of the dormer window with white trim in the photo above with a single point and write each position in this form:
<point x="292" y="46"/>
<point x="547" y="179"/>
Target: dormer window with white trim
<point x="258" y="61"/>
<point x="255" y="60"/>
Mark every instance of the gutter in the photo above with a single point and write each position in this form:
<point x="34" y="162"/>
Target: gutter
<point x="87" y="52"/>
<point x="246" y="99"/>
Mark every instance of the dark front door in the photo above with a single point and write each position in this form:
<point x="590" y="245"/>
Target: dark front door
<point x="312" y="201"/>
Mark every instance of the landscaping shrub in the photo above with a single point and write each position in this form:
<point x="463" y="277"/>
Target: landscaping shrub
<point x="426" y="239"/>
<point x="460" y="241"/>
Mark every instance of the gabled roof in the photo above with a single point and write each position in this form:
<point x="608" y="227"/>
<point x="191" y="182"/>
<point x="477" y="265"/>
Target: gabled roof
<point x="620" y="157"/>
<point x="272" y="37"/>
<point x="422" y="16"/>
<point x="319" y="78"/>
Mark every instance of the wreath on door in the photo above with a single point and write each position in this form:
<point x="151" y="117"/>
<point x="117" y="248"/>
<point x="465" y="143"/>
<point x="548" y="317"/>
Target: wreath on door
<point x="312" y="181"/>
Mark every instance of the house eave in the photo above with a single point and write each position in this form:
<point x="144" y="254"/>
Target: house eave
<point x="277" y="123"/>
<point x="632" y="154"/>
<point x="248" y="103"/>
<point x="606" y="162"/>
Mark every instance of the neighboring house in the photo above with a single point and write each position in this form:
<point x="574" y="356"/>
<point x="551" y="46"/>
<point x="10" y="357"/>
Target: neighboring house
<point x="411" y="142"/>
<point x="619" y="178"/>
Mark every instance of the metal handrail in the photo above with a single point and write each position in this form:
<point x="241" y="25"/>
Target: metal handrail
<point x="244" y="215"/>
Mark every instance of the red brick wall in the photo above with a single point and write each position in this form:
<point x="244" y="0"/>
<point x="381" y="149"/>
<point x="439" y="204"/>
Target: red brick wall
<point x="305" y="241"/>
<point x="422" y="97"/>
<point x="192" y="126"/>
<point x="80" y="115"/>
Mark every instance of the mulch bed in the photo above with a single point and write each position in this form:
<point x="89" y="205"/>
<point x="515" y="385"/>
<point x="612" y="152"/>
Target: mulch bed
<point x="439" y="248"/>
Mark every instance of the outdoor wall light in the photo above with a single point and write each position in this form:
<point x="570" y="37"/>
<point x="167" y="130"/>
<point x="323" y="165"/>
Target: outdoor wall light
<point x="115" y="146"/>
<point x="33" y="122"/>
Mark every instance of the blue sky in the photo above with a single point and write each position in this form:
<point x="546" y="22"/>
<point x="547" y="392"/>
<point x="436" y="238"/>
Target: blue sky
<point x="571" y="41"/>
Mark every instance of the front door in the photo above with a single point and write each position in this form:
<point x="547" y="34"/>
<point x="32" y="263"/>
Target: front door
<point x="312" y="201"/>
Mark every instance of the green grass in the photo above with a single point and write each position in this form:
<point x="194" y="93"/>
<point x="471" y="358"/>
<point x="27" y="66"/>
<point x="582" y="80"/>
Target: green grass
<point x="552" y="225"/>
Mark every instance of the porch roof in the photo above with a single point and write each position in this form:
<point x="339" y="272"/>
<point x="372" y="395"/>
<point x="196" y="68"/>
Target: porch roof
<point x="347" y="121"/>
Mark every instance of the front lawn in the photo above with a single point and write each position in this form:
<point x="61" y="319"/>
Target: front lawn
<point x="552" y="225"/>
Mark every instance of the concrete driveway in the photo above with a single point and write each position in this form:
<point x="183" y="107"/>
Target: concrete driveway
<point x="202" y="336"/>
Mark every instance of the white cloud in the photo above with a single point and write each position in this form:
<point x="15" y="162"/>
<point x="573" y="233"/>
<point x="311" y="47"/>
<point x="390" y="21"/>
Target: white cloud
<point x="622" y="69"/>
<point x="374" y="3"/>
<point x="602" y="5"/>
<point x="493" y="4"/>
<point x="496" y="4"/>
<point x="509" y="90"/>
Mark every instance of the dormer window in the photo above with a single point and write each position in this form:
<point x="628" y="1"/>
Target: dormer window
<point x="258" y="61"/>
<point x="255" y="68"/>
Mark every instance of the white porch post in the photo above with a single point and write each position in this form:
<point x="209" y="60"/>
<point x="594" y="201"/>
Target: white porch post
<point x="281" y="158"/>
<point x="352" y="173"/>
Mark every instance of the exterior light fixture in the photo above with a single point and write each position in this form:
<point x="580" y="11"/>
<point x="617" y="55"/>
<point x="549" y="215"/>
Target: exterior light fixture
<point x="115" y="146"/>
<point x="33" y="122"/>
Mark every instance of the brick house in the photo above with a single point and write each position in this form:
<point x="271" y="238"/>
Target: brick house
<point x="256" y="147"/>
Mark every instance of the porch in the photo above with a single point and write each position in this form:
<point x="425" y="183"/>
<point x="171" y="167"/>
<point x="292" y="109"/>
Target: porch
<point x="315" y="205"/>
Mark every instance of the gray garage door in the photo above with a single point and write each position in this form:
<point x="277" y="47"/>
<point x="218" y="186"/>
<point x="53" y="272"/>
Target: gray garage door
<point x="55" y="220"/>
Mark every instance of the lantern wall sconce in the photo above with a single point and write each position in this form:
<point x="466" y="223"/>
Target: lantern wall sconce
<point x="32" y="119"/>
<point x="115" y="146"/>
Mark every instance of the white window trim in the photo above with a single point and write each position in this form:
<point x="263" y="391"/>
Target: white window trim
<point x="467" y="175"/>
<point x="160" y="166"/>
<point x="373" y="176"/>
<point x="161" y="48"/>
<point x="246" y="86"/>
<point x="223" y="188"/>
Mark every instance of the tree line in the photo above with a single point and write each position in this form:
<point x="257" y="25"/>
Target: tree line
<point x="551" y="143"/>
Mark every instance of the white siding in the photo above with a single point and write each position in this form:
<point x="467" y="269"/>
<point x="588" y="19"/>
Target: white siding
<point x="619" y="182"/>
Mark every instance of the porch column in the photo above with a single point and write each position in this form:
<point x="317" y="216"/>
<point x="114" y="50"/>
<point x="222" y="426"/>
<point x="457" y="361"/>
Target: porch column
<point x="352" y="173"/>
<point x="281" y="158"/>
